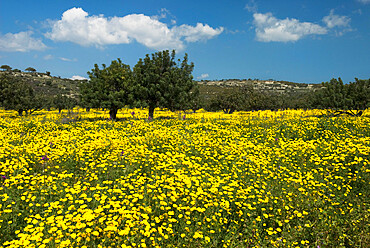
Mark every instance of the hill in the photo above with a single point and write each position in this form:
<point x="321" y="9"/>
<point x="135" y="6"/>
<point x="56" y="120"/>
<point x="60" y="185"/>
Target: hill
<point x="44" y="83"/>
<point x="209" y="89"/>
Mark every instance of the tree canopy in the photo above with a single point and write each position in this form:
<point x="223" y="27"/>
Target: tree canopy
<point x="6" y="67"/>
<point x="359" y="94"/>
<point x="61" y="102"/>
<point x="339" y="98"/>
<point x="161" y="82"/>
<point x="30" y="69"/>
<point x="109" y="87"/>
<point x="18" y="95"/>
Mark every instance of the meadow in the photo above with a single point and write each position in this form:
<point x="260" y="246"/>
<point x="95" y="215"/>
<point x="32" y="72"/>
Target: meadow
<point x="250" y="179"/>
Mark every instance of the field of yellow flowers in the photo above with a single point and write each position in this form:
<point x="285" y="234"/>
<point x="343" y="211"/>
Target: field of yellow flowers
<point x="250" y="179"/>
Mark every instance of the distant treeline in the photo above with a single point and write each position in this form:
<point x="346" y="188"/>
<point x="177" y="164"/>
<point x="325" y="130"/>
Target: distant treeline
<point x="335" y="96"/>
<point x="159" y="81"/>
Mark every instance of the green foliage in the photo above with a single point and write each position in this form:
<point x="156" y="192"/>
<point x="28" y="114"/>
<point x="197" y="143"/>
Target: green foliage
<point x="18" y="95"/>
<point x="195" y="101"/>
<point x="340" y="98"/>
<point x="297" y="100"/>
<point x="259" y="100"/>
<point x="333" y="95"/>
<point x="230" y="101"/>
<point x="246" y="99"/>
<point x="109" y="87"/>
<point x="5" y="80"/>
<point x="30" y="69"/>
<point x="161" y="82"/>
<point x="359" y="93"/>
<point x="61" y="102"/>
<point x="6" y="67"/>
<point x="47" y="86"/>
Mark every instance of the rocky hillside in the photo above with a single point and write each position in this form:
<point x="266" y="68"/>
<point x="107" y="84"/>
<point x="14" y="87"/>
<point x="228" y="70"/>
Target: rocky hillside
<point x="210" y="88"/>
<point x="44" y="83"/>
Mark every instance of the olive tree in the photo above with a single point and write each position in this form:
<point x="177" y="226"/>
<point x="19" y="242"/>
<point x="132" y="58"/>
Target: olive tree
<point x="18" y="95"/>
<point x="339" y="98"/>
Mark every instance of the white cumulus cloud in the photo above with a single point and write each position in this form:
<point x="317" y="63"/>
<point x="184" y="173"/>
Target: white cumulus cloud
<point x="199" y="32"/>
<point x="78" y="27"/>
<point x="76" y="77"/>
<point x="20" y="42"/>
<point x="269" y="28"/>
<point x="333" y="20"/>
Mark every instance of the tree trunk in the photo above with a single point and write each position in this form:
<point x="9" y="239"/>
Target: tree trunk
<point x="151" y="111"/>
<point x="356" y="113"/>
<point x="113" y="113"/>
<point x="60" y="110"/>
<point x="20" y="112"/>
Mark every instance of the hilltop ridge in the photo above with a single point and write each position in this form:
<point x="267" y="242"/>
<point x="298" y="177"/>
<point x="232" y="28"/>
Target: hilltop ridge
<point x="46" y="83"/>
<point x="53" y="85"/>
<point x="261" y="84"/>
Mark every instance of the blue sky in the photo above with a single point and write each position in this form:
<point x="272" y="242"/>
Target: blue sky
<point x="307" y="41"/>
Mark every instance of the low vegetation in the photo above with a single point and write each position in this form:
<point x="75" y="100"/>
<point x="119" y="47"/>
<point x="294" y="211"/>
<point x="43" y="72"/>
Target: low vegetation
<point x="250" y="179"/>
